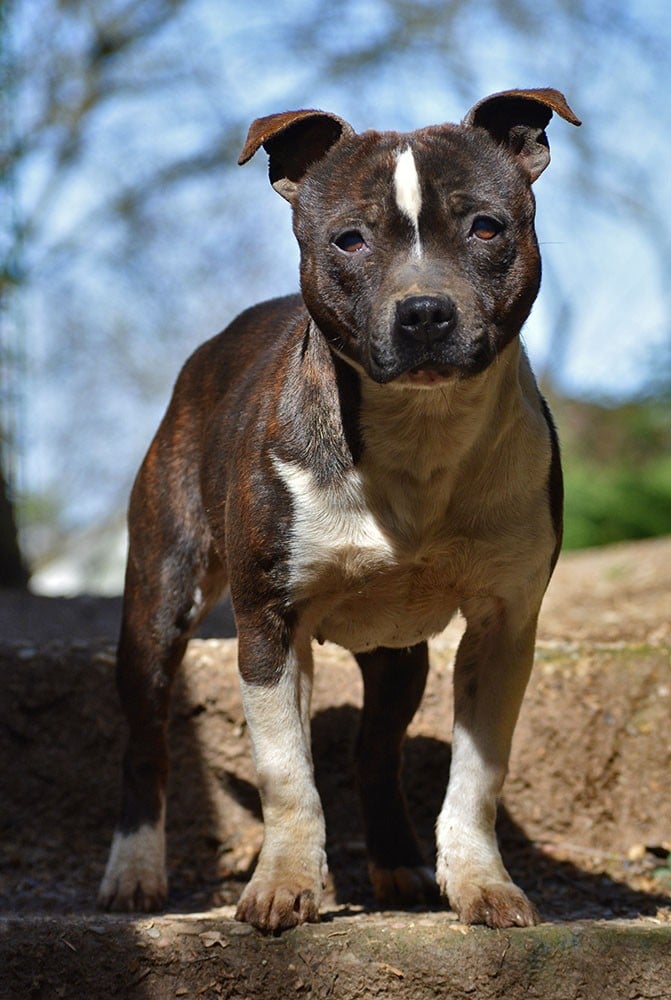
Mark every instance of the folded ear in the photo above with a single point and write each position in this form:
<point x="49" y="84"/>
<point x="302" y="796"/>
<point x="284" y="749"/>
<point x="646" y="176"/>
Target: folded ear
<point x="293" y="140"/>
<point x="516" y="119"/>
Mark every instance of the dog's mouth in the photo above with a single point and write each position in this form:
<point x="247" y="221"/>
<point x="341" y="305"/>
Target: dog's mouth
<point x="428" y="376"/>
<point x="424" y="370"/>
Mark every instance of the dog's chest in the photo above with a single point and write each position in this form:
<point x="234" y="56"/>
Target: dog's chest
<point x="369" y="567"/>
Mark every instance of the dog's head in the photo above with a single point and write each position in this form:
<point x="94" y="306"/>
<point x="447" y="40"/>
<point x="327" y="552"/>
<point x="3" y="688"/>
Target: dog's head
<point x="419" y="259"/>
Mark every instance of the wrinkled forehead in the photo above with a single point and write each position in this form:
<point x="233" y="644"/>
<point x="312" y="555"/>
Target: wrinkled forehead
<point x="376" y="168"/>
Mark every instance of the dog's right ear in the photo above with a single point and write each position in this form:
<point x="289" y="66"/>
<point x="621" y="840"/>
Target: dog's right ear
<point x="293" y="140"/>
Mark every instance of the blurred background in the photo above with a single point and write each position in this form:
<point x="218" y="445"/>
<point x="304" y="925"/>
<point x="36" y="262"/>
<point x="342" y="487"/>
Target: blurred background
<point x="129" y="235"/>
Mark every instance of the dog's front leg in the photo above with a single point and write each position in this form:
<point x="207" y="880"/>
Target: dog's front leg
<point x="491" y="672"/>
<point x="287" y="885"/>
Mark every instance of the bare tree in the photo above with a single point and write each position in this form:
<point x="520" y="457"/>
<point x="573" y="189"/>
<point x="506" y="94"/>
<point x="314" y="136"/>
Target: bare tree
<point x="13" y="571"/>
<point x="124" y="118"/>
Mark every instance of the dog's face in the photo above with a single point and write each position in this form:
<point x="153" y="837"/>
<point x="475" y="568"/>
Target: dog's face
<point x="418" y="254"/>
<point x="419" y="260"/>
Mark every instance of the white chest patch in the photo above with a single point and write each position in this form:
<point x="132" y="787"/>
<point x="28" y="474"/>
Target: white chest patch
<point x="408" y="192"/>
<point x="332" y="526"/>
<point x="360" y="591"/>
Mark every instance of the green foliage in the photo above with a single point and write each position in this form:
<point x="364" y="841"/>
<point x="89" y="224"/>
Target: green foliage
<point x="617" y="468"/>
<point x="613" y="503"/>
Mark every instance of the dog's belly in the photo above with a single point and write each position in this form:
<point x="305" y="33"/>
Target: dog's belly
<point x="397" y="608"/>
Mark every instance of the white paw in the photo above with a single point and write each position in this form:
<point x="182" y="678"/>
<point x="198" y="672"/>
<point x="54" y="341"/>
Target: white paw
<point x="277" y="906"/>
<point x="135" y="877"/>
<point x="285" y="890"/>
<point x="486" y="897"/>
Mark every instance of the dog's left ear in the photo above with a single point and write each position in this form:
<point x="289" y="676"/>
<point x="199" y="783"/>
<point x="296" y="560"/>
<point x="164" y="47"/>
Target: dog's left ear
<point x="293" y="140"/>
<point x="516" y="119"/>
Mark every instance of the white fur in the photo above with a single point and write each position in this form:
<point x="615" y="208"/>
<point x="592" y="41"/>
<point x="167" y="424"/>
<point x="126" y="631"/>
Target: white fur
<point x="408" y="192"/>
<point x="136" y="867"/>
<point x="331" y="524"/>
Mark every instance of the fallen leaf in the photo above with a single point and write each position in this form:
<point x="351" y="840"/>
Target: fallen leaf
<point x="210" y="938"/>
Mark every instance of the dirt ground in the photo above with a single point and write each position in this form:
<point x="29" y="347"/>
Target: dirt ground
<point x="585" y="821"/>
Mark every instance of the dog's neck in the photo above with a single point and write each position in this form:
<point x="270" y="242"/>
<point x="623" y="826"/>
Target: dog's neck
<point x="417" y="432"/>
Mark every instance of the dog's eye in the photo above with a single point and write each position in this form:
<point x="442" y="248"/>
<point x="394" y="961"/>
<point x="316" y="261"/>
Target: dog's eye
<point x="485" y="228"/>
<point x="351" y="241"/>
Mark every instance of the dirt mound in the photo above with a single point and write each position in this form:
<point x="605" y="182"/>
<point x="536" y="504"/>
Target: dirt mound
<point x="585" y="822"/>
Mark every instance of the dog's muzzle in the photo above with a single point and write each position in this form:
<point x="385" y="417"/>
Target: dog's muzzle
<point x="427" y="343"/>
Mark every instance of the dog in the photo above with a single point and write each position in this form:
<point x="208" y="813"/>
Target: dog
<point x="355" y="465"/>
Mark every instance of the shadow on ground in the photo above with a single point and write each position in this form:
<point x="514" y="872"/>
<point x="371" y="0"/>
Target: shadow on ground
<point x="60" y="744"/>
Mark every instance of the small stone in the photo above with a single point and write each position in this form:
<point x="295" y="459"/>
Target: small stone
<point x="239" y="930"/>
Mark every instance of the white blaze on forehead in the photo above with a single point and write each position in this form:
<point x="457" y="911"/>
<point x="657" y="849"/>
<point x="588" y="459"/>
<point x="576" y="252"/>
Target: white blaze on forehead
<point x="408" y="191"/>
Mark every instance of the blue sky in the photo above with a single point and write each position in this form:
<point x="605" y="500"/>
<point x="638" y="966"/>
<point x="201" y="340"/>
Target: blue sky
<point x="207" y="248"/>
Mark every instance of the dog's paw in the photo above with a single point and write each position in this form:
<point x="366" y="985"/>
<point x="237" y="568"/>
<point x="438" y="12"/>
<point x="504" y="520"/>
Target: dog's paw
<point x="132" y="894"/>
<point x="404" y="886"/>
<point x="495" y="904"/>
<point x="135" y="878"/>
<point x="273" y="907"/>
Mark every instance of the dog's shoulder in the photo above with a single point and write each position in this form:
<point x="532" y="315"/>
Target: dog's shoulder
<point x="232" y="367"/>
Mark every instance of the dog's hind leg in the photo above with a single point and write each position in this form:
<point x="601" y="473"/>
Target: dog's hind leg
<point x="171" y="582"/>
<point x="394" y="681"/>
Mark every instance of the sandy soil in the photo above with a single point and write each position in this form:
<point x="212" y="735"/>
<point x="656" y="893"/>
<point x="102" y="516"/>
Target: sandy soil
<point x="586" y="817"/>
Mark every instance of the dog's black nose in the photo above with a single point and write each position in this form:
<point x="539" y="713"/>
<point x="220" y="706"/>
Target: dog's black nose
<point x="428" y="318"/>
